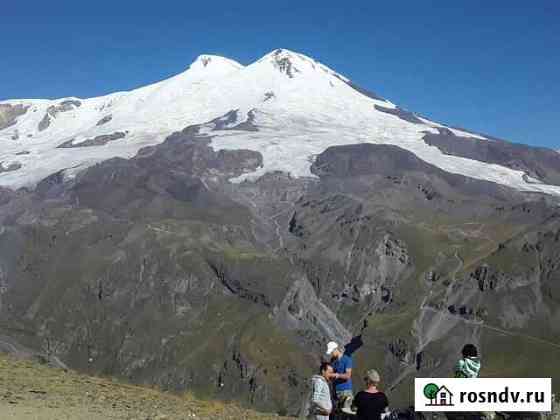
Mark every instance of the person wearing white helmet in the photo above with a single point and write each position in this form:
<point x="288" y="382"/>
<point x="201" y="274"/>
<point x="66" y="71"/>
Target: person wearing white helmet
<point x="342" y="375"/>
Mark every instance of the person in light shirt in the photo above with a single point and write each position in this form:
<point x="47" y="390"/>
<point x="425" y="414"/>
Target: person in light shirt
<point x="469" y="365"/>
<point x="321" y="401"/>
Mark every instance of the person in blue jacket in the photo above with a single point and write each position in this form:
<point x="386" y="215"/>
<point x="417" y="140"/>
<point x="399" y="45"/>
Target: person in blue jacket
<point x="341" y="377"/>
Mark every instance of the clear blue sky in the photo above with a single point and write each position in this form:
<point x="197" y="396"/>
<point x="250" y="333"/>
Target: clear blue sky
<point x="491" y="66"/>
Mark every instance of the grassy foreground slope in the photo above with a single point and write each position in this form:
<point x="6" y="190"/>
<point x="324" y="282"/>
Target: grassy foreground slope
<point x="30" y="391"/>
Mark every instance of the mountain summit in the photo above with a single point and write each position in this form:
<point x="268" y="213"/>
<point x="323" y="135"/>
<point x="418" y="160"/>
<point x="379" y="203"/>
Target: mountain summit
<point x="296" y="108"/>
<point x="214" y="64"/>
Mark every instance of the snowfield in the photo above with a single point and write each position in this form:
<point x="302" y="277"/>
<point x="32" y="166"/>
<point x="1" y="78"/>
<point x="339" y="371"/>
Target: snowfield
<point x="300" y="107"/>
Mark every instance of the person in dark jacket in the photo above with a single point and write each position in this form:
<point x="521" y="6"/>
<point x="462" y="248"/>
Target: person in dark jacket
<point x="370" y="403"/>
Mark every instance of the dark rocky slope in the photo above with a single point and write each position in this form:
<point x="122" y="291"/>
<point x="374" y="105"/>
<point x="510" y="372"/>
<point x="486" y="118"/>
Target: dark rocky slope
<point x="538" y="163"/>
<point x="159" y="270"/>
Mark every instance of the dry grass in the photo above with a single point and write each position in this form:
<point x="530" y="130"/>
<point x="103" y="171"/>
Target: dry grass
<point x="30" y="391"/>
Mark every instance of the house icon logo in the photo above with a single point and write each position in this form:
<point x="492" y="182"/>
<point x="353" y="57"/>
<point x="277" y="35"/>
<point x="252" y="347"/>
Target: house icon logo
<point x="439" y="396"/>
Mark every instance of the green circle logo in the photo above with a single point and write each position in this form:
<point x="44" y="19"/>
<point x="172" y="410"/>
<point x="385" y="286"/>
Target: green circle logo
<point x="430" y="391"/>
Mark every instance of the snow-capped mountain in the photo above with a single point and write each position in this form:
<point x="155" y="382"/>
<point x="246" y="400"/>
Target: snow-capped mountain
<point x="124" y="267"/>
<point x="286" y="106"/>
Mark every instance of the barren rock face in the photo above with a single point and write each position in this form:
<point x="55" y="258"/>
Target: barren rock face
<point x="96" y="141"/>
<point x="402" y="114"/>
<point x="540" y="164"/>
<point x="14" y="166"/>
<point x="10" y="113"/>
<point x="104" y="120"/>
<point x="54" y="110"/>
